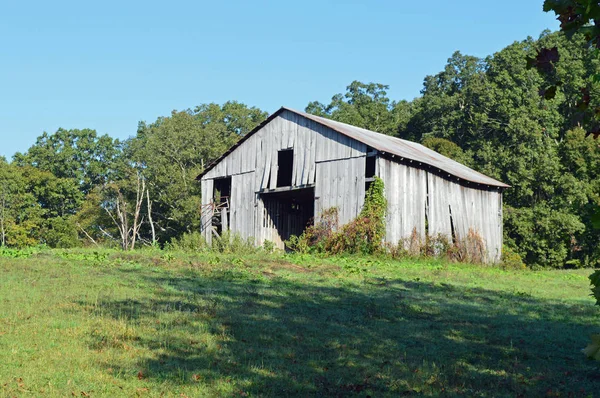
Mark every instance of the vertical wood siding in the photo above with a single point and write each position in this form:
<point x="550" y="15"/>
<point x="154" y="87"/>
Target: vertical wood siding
<point x="206" y="211"/>
<point x="406" y="194"/>
<point x="253" y="168"/>
<point x="414" y="194"/>
<point x="243" y="200"/>
<point x="341" y="184"/>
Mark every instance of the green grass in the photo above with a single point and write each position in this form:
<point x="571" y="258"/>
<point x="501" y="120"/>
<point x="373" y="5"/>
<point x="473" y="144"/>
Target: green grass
<point x="163" y="324"/>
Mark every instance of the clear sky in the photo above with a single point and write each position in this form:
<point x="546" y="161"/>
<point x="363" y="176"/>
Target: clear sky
<point x="108" y="64"/>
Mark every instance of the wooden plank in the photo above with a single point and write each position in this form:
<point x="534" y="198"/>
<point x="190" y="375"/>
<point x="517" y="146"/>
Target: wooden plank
<point x="206" y="211"/>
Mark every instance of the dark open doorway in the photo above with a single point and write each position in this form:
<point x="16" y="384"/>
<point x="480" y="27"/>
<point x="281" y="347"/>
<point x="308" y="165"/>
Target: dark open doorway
<point x="289" y="211"/>
<point x="221" y="194"/>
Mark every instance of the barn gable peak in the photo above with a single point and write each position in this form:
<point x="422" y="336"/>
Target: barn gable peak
<point x="394" y="147"/>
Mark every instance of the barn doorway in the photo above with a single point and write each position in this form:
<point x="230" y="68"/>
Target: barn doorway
<point x="221" y="195"/>
<point x="288" y="212"/>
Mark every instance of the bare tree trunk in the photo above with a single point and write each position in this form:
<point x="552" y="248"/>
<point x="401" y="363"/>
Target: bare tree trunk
<point x="123" y="222"/>
<point x="139" y="199"/>
<point x="121" y="217"/>
<point x="150" y="217"/>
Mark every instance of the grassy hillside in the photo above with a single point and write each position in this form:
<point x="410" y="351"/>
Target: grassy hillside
<point x="88" y="323"/>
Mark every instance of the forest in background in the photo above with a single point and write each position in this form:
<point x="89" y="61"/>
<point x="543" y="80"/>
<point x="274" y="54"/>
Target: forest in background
<point x="496" y="115"/>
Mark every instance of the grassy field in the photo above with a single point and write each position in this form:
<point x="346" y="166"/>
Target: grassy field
<point x="85" y="323"/>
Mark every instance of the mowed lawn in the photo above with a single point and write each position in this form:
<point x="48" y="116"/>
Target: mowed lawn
<point x="85" y="323"/>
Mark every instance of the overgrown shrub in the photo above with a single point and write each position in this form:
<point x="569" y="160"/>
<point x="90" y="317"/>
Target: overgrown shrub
<point x="511" y="259"/>
<point x="470" y="249"/>
<point x="229" y="243"/>
<point x="364" y="234"/>
<point x="188" y="242"/>
<point x="316" y="237"/>
<point x="268" y="246"/>
<point x="436" y="246"/>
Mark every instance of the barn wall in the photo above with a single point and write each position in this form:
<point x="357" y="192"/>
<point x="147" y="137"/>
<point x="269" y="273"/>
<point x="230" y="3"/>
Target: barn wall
<point x="243" y="201"/>
<point x="414" y="194"/>
<point x="256" y="160"/>
<point x="406" y="194"/>
<point x="341" y="184"/>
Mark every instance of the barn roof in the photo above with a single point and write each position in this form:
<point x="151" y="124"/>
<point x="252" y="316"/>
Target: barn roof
<point x="385" y="144"/>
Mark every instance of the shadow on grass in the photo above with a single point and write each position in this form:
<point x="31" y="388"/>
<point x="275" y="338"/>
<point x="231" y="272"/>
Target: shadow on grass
<point x="278" y="337"/>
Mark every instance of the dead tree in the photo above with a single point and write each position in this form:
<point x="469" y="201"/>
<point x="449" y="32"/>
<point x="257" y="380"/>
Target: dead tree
<point x="126" y="222"/>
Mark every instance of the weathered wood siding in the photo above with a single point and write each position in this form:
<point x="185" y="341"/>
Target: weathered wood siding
<point x="243" y="201"/>
<point x="406" y="194"/>
<point x="253" y="168"/>
<point x="206" y="211"/>
<point x="414" y="194"/>
<point x="341" y="183"/>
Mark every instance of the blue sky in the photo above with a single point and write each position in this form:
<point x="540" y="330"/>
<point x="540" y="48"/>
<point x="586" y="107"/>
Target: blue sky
<point x="107" y="65"/>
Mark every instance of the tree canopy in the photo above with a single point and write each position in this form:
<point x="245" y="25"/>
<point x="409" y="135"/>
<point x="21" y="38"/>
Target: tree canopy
<point x="498" y="115"/>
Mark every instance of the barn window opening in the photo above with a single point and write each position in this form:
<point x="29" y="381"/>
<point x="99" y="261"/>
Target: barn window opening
<point x="221" y="200"/>
<point x="285" y="164"/>
<point x="370" y="167"/>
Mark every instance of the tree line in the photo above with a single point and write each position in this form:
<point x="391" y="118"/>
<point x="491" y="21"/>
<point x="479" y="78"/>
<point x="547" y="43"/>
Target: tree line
<point x="76" y="187"/>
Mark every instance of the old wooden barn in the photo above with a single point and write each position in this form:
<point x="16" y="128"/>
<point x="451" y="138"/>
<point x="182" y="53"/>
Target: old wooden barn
<point x="294" y="165"/>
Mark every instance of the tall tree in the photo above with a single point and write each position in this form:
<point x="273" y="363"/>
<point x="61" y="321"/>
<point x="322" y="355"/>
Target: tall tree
<point x="172" y="152"/>
<point x="82" y="155"/>
<point x="493" y="111"/>
<point x="365" y="105"/>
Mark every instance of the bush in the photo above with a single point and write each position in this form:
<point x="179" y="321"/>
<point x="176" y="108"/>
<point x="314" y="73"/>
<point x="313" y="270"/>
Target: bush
<point x="268" y="246"/>
<point x="364" y="234"/>
<point x="436" y="246"/>
<point x="188" y="242"/>
<point x="229" y="243"/>
<point x="511" y="259"/>
<point x="59" y="232"/>
<point x="471" y="249"/>
<point x="316" y="237"/>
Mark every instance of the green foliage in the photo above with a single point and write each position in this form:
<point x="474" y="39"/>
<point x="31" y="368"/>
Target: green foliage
<point x="595" y="282"/>
<point x="173" y="150"/>
<point x="60" y="232"/>
<point x="316" y="237"/>
<point x="367" y="106"/>
<point x="268" y="246"/>
<point x="230" y="243"/>
<point x="447" y="148"/>
<point x="188" y="242"/>
<point x="299" y="244"/>
<point x="363" y="235"/>
<point x="511" y="259"/>
<point x="80" y="155"/>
